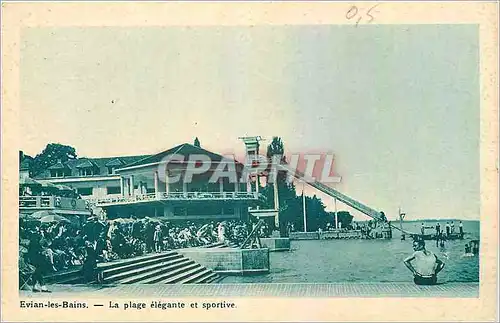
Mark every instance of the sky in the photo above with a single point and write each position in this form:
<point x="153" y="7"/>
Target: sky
<point x="398" y="105"/>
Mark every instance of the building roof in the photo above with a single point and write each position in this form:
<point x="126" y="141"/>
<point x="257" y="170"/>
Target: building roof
<point x="85" y="163"/>
<point x="114" y="162"/>
<point x="184" y="150"/>
<point x="117" y="162"/>
<point x="100" y="163"/>
<point x="58" y="165"/>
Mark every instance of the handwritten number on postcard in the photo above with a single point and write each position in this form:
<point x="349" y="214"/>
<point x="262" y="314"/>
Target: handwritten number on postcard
<point x="359" y="15"/>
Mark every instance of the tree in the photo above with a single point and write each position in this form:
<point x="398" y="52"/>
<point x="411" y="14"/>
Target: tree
<point x="276" y="147"/>
<point x="197" y="142"/>
<point x="316" y="215"/>
<point x="25" y="161"/>
<point x="23" y="156"/>
<point x="288" y="200"/>
<point x="345" y="217"/>
<point x="50" y="155"/>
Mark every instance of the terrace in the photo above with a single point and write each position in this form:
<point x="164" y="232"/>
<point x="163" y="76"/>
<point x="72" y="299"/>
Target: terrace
<point x="176" y="196"/>
<point x="30" y="204"/>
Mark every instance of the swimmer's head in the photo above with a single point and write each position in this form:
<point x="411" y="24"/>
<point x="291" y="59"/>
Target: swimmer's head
<point x="418" y="244"/>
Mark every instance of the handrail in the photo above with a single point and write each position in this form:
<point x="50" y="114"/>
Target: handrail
<point x="36" y="201"/>
<point x="252" y="234"/>
<point x="52" y="202"/>
<point x="177" y="196"/>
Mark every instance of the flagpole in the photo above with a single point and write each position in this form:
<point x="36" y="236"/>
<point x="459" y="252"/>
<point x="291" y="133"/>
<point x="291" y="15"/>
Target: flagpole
<point x="336" y="218"/>
<point x="304" y="207"/>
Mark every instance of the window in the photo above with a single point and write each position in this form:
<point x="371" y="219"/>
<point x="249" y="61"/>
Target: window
<point x="113" y="190"/>
<point x="179" y="211"/>
<point x="57" y="173"/>
<point x="111" y="170"/>
<point x="86" y="172"/>
<point x="205" y="210"/>
<point x="85" y="191"/>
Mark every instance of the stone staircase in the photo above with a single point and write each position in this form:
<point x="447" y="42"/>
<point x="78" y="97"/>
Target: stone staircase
<point x="161" y="268"/>
<point x="68" y="276"/>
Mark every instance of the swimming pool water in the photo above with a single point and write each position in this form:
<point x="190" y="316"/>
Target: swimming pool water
<point x="328" y="261"/>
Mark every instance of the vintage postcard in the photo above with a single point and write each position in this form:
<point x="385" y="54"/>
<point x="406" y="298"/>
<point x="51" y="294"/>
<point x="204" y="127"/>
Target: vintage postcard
<point x="249" y="161"/>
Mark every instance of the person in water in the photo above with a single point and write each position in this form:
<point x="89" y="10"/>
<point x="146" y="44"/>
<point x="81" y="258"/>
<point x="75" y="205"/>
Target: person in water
<point x="439" y="239"/>
<point x="423" y="264"/>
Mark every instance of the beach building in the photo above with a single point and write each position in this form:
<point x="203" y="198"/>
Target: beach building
<point x="92" y="178"/>
<point x="147" y="185"/>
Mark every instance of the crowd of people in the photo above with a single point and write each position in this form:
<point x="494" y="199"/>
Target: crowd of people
<point x="50" y="247"/>
<point x="442" y="235"/>
<point x="369" y="229"/>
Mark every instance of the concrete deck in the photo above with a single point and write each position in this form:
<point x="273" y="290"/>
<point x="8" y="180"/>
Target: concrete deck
<point x="457" y="290"/>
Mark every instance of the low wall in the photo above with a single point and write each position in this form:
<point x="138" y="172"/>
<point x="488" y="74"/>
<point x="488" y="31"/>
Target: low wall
<point x="229" y="260"/>
<point x="304" y="235"/>
<point x="276" y="244"/>
<point x="325" y="235"/>
<point x="353" y="234"/>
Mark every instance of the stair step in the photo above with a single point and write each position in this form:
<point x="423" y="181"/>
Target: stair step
<point x="69" y="280"/>
<point x="63" y="274"/>
<point x="144" y="269"/>
<point x="127" y="267"/>
<point x="146" y="277"/>
<point x="214" y="277"/>
<point x="218" y="279"/>
<point x="119" y="263"/>
<point x="179" y="276"/>
<point x="191" y="278"/>
<point x="208" y="279"/>
<point x="175" y="274"/>
<point x="198" y="278"/>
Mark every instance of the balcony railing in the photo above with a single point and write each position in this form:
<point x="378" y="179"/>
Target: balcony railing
<point x="187" y="196"/>
<point x="36" y="201"/>
<point x="51" y="202"/>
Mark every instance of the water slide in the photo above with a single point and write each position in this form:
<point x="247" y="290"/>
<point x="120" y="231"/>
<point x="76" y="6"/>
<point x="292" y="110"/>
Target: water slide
<point x="374" y="214"/>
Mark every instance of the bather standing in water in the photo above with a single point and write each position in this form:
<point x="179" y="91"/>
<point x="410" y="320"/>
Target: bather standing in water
<point x="423" y="264"/>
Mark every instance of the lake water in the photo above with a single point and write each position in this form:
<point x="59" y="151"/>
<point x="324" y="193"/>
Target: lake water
<point x="328" y="261"/>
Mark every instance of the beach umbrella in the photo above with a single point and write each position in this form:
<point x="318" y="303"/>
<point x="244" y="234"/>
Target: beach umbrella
<point x="29" y="217"/>
<point x="48" y="184"/>
<point x="123" y="220"/>
<point x="27" y="181"/>
<point x="64" y="188"/>
<point x="53" y="218"/>
<point x="41" y="214"/>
